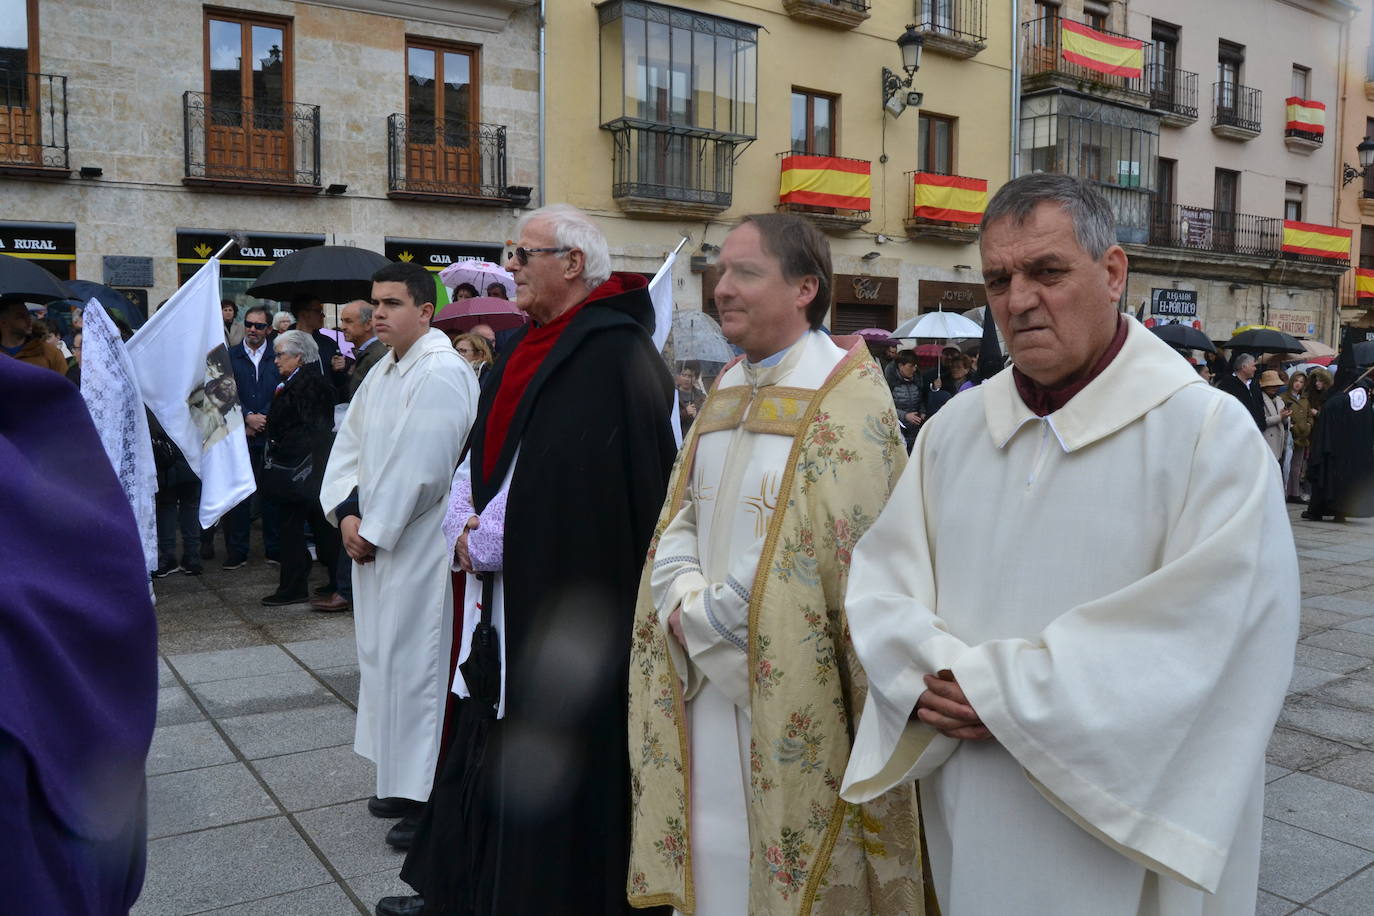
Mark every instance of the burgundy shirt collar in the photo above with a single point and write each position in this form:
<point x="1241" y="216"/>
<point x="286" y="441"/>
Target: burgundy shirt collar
<point x="1044" y="401"/>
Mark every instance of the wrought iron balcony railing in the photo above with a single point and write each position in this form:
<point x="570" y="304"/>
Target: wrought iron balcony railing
<point x="249" y="142"/>
<point x="33" y="121"/>
<point x="1217" y="231"/>
<point x="1043" y="61"/>
<point x="1173" y="92"/>
<point x="1236" y="106"/>
<point x="964" y="21"/>
<point x="684" y="168"/>
<point x="442" y="157"/>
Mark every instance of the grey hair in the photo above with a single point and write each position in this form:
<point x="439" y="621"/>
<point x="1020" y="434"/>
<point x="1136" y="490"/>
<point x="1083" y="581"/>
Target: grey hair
<point x="1094" y="225"/>
<point x="1242" y="360"/>
<point x="299" y="343"/>
<point x="364" y="310"/>
<point x="571" y="228"/>
<point x="291" y="319"/>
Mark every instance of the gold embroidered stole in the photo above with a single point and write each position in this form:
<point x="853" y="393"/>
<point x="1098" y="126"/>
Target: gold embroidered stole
<point x="810" y="852"/>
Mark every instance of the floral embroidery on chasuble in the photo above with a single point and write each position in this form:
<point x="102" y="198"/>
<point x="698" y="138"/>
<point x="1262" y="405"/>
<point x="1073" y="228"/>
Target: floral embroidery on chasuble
<point x="838" y="454"/>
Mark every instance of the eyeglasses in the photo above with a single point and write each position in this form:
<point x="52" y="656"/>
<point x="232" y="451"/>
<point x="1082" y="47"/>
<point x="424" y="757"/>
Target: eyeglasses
<point x="257" y="325"/>
<point x="522" y="255"/>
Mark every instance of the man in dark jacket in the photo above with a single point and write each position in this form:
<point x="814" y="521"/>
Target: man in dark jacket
<point x="256" y="376"/>
<point x="585" y="399"/>
<point x="309" y="314"/>
<point x="1240" y="383"/>
<point x="907" y="397"/>
<point x="355" y="318"/>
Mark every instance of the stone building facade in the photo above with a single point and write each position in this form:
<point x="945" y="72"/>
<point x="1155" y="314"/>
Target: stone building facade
<point x="674" y="119"/>
<point x="149" y="131"/>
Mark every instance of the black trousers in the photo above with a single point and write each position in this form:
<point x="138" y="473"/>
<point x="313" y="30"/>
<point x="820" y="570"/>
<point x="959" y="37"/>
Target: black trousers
<point x="295" y="558"/>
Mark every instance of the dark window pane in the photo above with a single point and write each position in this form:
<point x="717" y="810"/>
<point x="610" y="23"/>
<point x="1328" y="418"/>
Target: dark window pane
<point x="268" y="77"/>
<point x="823" y="133"/>
<point x="226" y="73"/>
<point x="798" y="122"/>
<point x="457" y="101"/>
<point x="14" y="50"/>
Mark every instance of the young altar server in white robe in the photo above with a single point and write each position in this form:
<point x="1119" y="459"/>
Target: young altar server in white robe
<point x="386" y="487"/>
<point x="1079" y="609"/>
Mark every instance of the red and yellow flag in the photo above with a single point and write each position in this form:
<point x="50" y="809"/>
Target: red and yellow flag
<point x="825" y="181"/>
<point x="1364" y="283"/>
<point x="950" y="198"/>
<point x="1319" y="241"/>
<point x="1099" y="51"/>
<point x="1306" y="115"/>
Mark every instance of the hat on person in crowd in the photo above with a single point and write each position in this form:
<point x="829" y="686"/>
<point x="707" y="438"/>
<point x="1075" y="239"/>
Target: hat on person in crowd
<point x="1271" y="377"/>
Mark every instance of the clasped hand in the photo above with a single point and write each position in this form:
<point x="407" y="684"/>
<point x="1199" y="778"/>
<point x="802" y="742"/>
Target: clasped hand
<point x="359" y="548"/>
<point x="944" y="708"/>
<point x="461" y="547"/>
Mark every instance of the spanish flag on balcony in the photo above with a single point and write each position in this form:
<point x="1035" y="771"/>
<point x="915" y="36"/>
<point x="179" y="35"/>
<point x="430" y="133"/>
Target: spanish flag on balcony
<point x="1110" y="54"/>
<point x="950" y="198"/>
<point x="1364" y="283"/>
<point x="826" y="181"/>
<point x="1306" y="116"/>
<point x="1318" y="241"/>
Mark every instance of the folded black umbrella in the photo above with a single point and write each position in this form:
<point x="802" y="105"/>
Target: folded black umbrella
<point x="482" y="670"/>
<point x="1265" y="340"/>
<point x="25" y="281"/>
<point x="1184" y="336"/>
<point x="329" y="273"/>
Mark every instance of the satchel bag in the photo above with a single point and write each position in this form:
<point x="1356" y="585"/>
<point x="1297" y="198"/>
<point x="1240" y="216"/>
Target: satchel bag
<point x="287" y="482"/>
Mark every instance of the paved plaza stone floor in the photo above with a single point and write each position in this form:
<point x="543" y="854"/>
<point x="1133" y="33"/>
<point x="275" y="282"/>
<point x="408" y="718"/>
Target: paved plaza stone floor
<point x="256" y="799"/>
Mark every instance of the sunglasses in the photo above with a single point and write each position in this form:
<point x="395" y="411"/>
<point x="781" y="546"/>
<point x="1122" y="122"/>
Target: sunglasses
<point x="257" y="325"/>
<point x="522" y="255"/>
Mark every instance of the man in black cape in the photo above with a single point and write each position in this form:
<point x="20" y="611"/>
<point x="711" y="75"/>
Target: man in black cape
<point x="530" y="809"/>
<point x="1340" y="466"/>
<point x="78" y="660"/>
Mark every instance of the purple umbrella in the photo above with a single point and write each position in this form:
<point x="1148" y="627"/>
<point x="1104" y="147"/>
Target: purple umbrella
<point x="464" y="314"/>
<point x="345" y="347"/>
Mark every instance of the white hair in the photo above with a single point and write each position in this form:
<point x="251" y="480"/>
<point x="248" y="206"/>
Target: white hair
<point x="571" y="228"/>
<point x="299" y="343"/>
<point x="280" y="316"/>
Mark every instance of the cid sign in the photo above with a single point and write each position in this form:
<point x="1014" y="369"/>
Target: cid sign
<point x="1174" y="303"/>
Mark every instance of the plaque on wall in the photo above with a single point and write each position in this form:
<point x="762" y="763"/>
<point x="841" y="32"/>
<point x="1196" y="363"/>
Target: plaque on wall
<point x="127" y="271"/>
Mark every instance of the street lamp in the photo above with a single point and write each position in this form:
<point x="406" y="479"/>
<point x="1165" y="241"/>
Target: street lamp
<point x="1365" y="151"/>
<point x="894" y="100"/>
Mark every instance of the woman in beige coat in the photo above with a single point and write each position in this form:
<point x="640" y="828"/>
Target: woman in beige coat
<point x="1276" y="414"/>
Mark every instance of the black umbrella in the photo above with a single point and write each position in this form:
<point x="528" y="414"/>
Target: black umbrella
<point x="330" y="273"/>
<point x="1265" y="340"/>
<point x="112" y="299"/>
<point x="25" y="281"/>
<point x="1184" y="336"/>
<point x="990" y="361"/>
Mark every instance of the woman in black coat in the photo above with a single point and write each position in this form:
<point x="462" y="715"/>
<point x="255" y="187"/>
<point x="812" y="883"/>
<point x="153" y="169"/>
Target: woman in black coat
<point x="300" y="432"/>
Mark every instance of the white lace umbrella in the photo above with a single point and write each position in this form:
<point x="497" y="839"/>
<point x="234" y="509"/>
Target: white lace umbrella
<point x="939" y="325"/>
<point x="480" y="274"/>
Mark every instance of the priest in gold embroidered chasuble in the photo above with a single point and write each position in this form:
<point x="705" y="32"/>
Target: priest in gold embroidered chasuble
<point x="744" y="691"/>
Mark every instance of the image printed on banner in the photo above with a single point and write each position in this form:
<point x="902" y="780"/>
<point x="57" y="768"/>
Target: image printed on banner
<point x="214" y="403"/>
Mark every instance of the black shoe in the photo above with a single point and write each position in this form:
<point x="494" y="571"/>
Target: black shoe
<point x="1338" y="519"/>
<point x="275" y="600"/>
<point x="402" y="833"/>
<point x="164" y="570"/>
<point x="235" y="561"/>
<point x="1310" y="517"/>
<point x="207" y="550"/>
<point x="326" y="589"/>
<point x="400" y="906"/>
<point x="192" y="570"/>
<point x="392" y="807"/>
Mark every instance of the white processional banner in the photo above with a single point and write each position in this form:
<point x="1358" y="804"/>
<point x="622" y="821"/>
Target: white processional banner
<point x="109" y="386"/>
<point x="187" y="382"/>
<point x="661" y="293"/>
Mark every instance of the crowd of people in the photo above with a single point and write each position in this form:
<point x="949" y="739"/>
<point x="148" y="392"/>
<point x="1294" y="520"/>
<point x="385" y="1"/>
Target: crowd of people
<point x="839" y="652"/>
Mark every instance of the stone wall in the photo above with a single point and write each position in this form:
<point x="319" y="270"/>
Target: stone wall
<point x="128" y="63"/>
